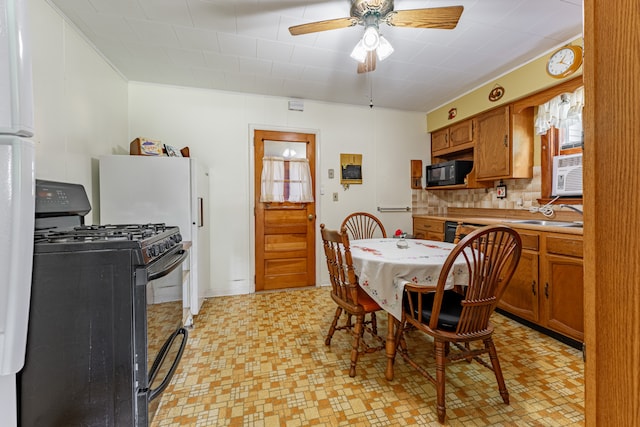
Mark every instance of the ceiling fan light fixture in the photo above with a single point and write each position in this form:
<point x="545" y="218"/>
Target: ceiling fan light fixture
<point x="369" y="14"/>
<point x="371" y="38"/>
<point x="359" y="53"/>
<point x="384" y="49"/>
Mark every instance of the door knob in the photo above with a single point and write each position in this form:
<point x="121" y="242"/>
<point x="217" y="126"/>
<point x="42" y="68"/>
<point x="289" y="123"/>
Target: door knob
<point x="310" y="217"/>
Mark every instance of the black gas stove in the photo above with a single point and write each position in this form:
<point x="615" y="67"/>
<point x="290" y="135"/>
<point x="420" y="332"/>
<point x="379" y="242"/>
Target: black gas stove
<point x="106" y="329"/>
<point x="152" y="240"/>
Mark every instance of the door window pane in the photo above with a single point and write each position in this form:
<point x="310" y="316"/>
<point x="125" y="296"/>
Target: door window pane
<point x="292" y="182"/>
<point x="286" y="150"/>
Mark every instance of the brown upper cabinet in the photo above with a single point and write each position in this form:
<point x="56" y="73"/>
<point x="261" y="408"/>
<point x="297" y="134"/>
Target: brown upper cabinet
<point x="440" y="140"/>
<point x="452" y="138"/>
<point x="499" y="142"/>
<point x="504" y="144"/>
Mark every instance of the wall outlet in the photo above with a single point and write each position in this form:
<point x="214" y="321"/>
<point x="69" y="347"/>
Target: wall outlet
<point x="335" y="197"/>
<point x="501" y="191"/>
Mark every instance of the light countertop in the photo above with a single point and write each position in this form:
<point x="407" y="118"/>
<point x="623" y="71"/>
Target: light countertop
<point x="504" y="216"/>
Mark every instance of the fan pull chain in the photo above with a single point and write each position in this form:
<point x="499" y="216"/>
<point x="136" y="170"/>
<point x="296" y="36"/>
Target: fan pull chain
<point x="370" y="91"/>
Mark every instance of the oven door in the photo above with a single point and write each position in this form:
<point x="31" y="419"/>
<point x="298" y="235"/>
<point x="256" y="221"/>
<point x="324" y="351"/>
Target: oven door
<point x="165" y="336"/>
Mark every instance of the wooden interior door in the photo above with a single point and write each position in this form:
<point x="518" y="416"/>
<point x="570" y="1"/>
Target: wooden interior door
<point x="285" y="232"/>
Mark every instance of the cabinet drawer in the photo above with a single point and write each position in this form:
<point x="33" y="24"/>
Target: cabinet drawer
<point x="562" y="245"/>
<point x="435" y="236"/>
<point x="428" y="225"/>
<point x="529" y="241"/>
<point x="430" y="229"/>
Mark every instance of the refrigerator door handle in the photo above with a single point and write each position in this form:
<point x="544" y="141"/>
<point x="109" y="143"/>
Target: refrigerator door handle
<point x="200" y="212"/>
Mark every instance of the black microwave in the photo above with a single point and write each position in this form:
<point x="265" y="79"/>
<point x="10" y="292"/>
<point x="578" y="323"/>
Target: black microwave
<point x="448" y="173"/>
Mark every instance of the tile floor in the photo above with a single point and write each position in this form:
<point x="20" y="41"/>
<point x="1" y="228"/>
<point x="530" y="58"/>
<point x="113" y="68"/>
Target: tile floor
<point x="260" y="360"/>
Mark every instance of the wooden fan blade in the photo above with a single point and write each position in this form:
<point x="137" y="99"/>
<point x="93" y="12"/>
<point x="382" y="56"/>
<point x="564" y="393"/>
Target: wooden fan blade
<point x="315" y="27"/>
<point x="445" y="18"/>
<point x="369" y="63"/>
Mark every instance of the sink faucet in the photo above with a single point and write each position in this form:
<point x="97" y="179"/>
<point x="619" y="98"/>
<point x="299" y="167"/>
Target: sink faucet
<point x="572" y="208"/>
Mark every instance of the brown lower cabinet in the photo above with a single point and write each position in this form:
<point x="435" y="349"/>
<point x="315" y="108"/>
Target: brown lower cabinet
<point x="521" y="296"/>
<point x="547" y="287"/>
<point x="428" y="228"/>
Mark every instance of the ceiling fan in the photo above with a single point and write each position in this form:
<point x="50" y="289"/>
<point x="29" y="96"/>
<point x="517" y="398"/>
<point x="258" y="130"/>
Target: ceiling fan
<point x="370" y="13"/>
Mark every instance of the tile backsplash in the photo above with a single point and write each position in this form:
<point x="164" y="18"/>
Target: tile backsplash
<point x="521" y="194"/>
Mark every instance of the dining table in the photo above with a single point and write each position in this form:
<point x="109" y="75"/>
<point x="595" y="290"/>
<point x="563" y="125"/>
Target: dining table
<point x="385" y="265"/>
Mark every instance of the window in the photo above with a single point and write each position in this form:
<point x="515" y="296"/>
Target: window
<point x="559" y="122"/>
<point x="285" y="173"/>
<point x="552" y="145"/>
<point x="572" y="136"/>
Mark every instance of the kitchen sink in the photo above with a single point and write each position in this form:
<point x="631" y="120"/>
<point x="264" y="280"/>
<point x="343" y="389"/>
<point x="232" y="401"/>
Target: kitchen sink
<point x="547" y="223"/>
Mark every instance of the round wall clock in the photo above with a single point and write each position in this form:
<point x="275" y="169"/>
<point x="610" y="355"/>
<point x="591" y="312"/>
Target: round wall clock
<point x="564" y="61"/>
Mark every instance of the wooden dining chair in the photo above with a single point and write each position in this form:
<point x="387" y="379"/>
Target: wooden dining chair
<point x="491" y="255"/>
<point x="349" y="296"/>
<point x="462" y="230"/>
<point x="362" y="225"/>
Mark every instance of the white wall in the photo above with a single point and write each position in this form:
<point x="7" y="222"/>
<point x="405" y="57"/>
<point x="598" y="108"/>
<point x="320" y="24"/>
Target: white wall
<point x="84" y="108"/>
<point x="217" y="128"/>
<point x="80" y="103"/>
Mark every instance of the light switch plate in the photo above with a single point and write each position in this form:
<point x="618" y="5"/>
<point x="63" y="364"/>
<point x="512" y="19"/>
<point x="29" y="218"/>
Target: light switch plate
<point x="330" y="173"/>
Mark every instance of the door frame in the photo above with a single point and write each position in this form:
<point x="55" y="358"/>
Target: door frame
<point x="252" y="205"/>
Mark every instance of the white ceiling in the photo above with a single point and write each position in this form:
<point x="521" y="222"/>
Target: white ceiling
<point x="245" y="46"/>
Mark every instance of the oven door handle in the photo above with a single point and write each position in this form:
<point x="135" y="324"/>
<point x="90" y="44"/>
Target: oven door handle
<point x="167" y="268"/>
<point x="153" y="393"/>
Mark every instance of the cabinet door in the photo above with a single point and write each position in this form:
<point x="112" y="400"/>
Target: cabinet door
<point x="461" y="133"/>
<point x="521" y="296"/>
<point x="493" y="150"/>
<point x="562" y="294"/>
<point x="440" y="140"/>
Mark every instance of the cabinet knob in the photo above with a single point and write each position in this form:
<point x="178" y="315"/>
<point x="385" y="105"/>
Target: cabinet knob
<point x="506" y="140"/>
<point x="533" y="287"/>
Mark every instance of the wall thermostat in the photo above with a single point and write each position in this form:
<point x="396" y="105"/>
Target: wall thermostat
<point x="296" y="105"/>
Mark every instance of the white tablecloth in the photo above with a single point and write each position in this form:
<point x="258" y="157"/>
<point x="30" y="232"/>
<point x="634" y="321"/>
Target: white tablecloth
<point x="383" y="269"/>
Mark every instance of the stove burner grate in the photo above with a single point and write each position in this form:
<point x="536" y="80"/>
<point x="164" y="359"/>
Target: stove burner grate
<point x="92" y="233"/>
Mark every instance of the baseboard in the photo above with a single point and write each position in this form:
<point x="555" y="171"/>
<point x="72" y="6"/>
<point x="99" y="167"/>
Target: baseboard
<point x="555" y="335"/>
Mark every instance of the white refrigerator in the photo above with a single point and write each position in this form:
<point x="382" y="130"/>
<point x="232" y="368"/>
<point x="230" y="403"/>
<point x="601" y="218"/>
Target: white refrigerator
<point x="170" y="190"/>
<point x="17" y="186"/>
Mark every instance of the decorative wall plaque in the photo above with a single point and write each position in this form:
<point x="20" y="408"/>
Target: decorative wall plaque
<point x="496" y="93"/>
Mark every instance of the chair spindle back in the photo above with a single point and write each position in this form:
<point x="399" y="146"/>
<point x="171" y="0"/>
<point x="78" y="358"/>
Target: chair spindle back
<point x="344" y="283"/>
<point x="362" y="225"/>
<point x="491" y="256"/>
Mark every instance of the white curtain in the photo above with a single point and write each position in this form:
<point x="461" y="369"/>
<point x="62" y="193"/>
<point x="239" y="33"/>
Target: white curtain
<point x="272" y="180"/>
<point x="300" y="190"/>
<point x="560" y="112"/>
